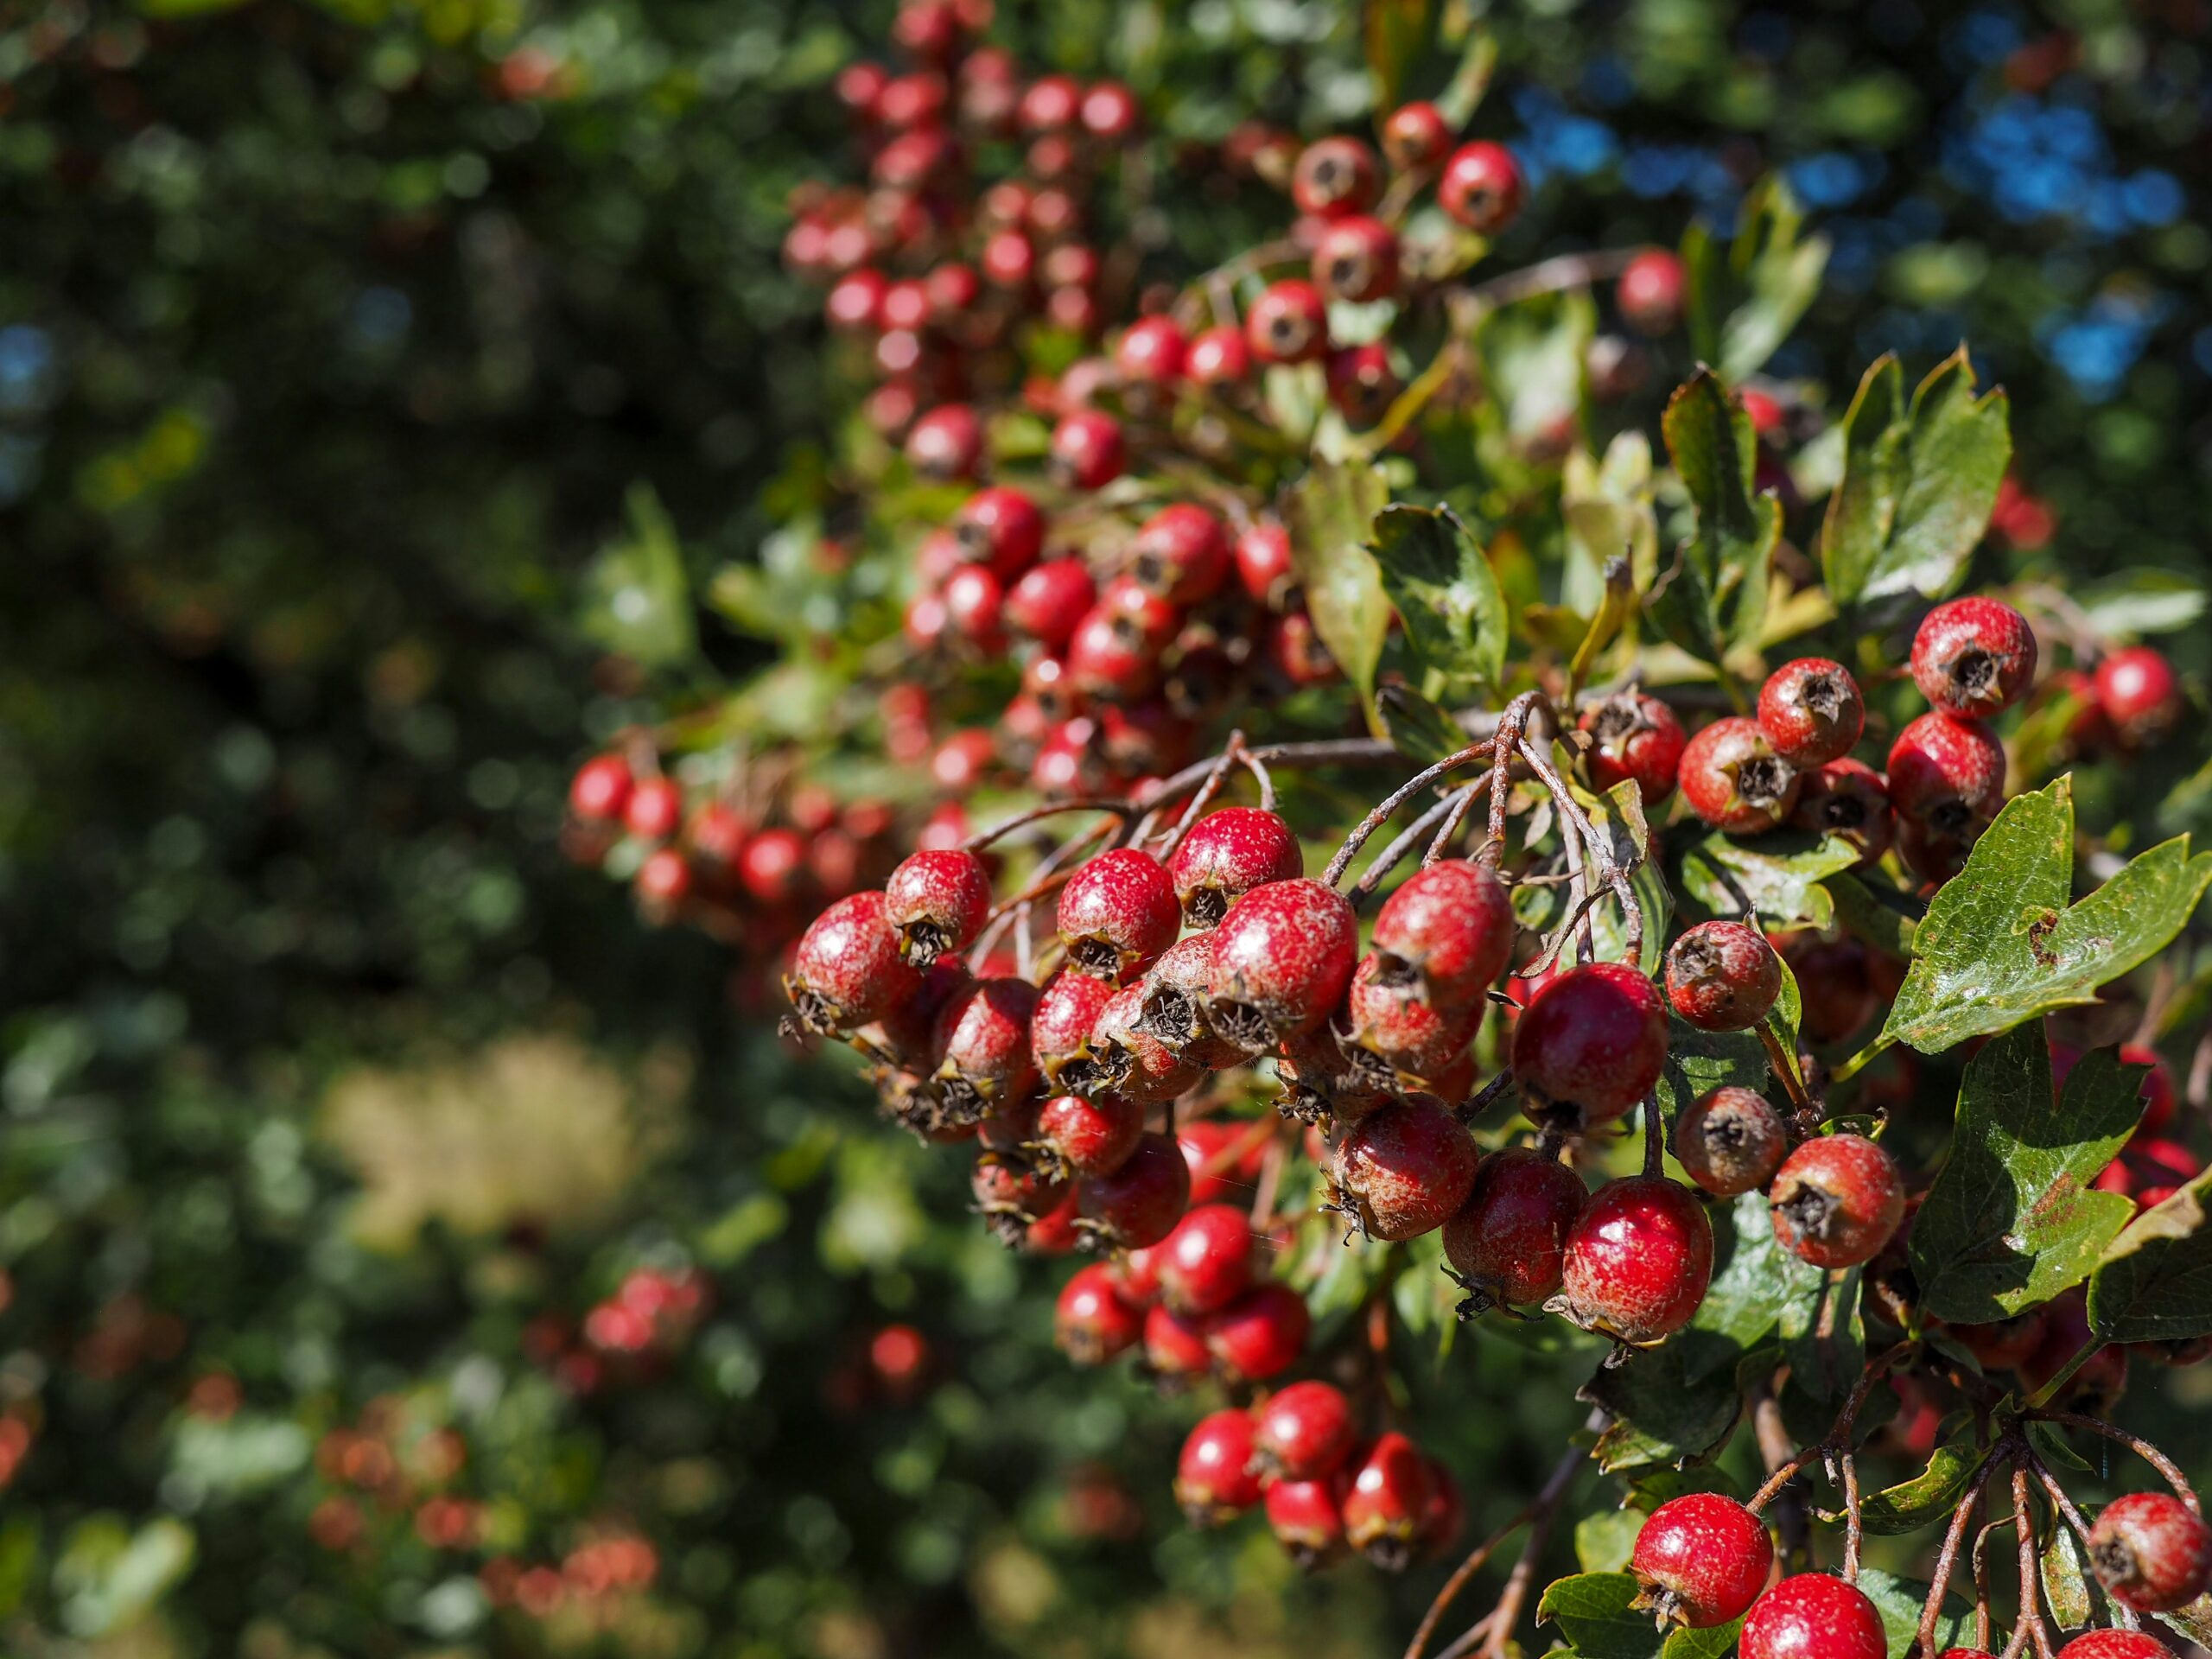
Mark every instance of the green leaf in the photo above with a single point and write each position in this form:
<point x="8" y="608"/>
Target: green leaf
<point x="2135" y="602"/>
<point x="1470" y="80"/>
<point x="1419" y="729"/>
<point x="1781" y="876"/>
<point x="1715" y="597"/>
<point x="1593" y="1612"/>
<point x="2065" y="1585"/>
<point x="1754" y="1280"/>
<point x="2154" y="1283"/>
<point x="109" y="1577"/>
<point x="1664" y="1412"/>
<point x="1998" y="944"/>
<point x="2011" y="1219"/>
<point x="1932" y="1493"/>
<point x="1331" y="515"/>
<point x="1743" y="301"/>
<point x="1533" y="353"/>
<point x="637" y="599"/>
<point x="1607" y="509"/>
<point x="1604" y="1542"/>
<point x="1868" y="920"/>
<point x="1918" y="483"/>
<point x="2193" y="1622"/>
<point x="1396" y="32"/>
<point x="1437" y="576"/>
<point x="1900" y="1601"/>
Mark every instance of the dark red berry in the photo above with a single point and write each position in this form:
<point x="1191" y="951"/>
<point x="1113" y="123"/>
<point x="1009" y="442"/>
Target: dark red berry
<point x="1173" y="1006"/>
<point x="1206" y="1262"/>
<point x="1415" y="136"/>
<point x="1175" y="1346"/>
<point x="1447" y="931"/>
<point x="1181" y="555"/>
<point x="1061" y="1027"/>
<point x="2150" y="1170"/>
<point x="1011" y="1198"/>
<point x="1259" y="1335"/>
<point x="1089" y="1137"/>
<point x="1334" y="177"/>
<point x="1837" y="1199"/>
<point x="982" y="1037"/>
<point x="1129" y="1059"/>
<point x="1722" y="977"/>
<point x="1108" y="657"/>
<point x="1387" y="1496"/>
<point x="1734" y="780"/>
<point x="600" y="789"/>
<point x="1002" y="528"/>
<point x="1638" y="1258"/>
<point x="1635" y="738"/>
<point x="1139" y="1203"/>
<point x="946" y="443"/>
<point x="1318" y="1080"/>
<point x="1394" y="1036"/>
<point x="847" y="970"/>
<point x="1701" y="1560"/>
<point x="1811" y="711"/>
<point x="1307" y="1519"/>
<point x="1650" y="292"/>
<point x="1088" y="451"/>
<point x="1404" y="1169"/>
<point x="2000" y="1344"/>
<point x="1118" y="912"/>
<point x="1946" y="773"/>
<point x="1362" y="382"/>
<point x="1592" y="1043"/>
<point x="1974" y="657"/>
<point x="2151" y="1551"/>
<point x="1050" y="600"/>
<point x="1836" y="987"/>
<point x="1481" y="187"/>
<point x="938" y="902"/>
<point x="2138" y="694"/>
<point x="1730" y="1140"/>
<point x="1356" y="259"/>
<point x="1226" y="856"/>
<point x="1303" y="1432"/>
<point x="1214" y="1482"/>
<point x="1507" y="1245"/>
<point x="1847" y="799"/>
<point x="1288" y="323"/>
<point x="1814" y="1614"/>
<point x="1263" y="563"/>
<point x="1092" y="1322"/>
<point x="1281" y="958"/>
<point x="1218" y="358"/>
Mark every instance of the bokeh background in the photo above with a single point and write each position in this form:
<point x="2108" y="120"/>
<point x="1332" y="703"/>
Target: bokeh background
<point x="351" y="355"/>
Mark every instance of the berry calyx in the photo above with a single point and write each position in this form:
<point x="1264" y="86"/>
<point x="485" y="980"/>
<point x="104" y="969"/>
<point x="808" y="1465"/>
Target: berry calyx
<point x="2138" y="694"/>
<point x="1011" y="1197"/>
<point x="1283" y="956"/>
<point x="2151" y="1552"/>
<point x="1415" y="136"/>
<point x="1592" y="1043"/>
<point x="1226" y="854"/>
<point x="1404" y="1169"/>
<point x="1481" y="187"/>
<point x="1139" y="1204"/>
<point x="1811" y="711"/>
<point x="1734" y="780"/>
<point x="1722" y="977"/>
<point x="848" y="971"/>
<point x="1637" y="1261"/>
<point x="1172" y="1009"/>
<point x="1702" y="1559"/>
<point x="1386" y="1500"/>
<point x="1507" y="1245"/>
<point x="1259" y="1335"/>
<point x="1206" y="1262"/>
<point x="1813" y="1614"/>
<point x="1635" y="738"/>
<point x="1395" y="1037"/>
<point x="1848" y="798"/>
<point x="1117" y="913"/>
<point x="1060" y="1029"/>
<point x="1730" y="1140"/>
<point x="1837" y="1199"/>
<point x="1974" y="657"/>
<point x="1129" y="1059"/>
<point x="1288" y="323"/>
<point x="1334" y="177"/>
<point x="982" y="1038"/>
<point x="1356" y="259"/>
<point x="1946" y="773"/>
<point x="1447" y="932"/>
<point x="1304" y="1431"/>
<point x="1213" y="1479"/>
<point x="1092" y="1322"/>
<point x="938" y="900"/>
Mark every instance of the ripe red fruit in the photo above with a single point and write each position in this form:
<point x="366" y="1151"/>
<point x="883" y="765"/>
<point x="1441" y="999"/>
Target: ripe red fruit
<point x="856" y="300"/>
<point x="2151" y="1551"/>
<point x="1111" y="112"/>
<point x="1216" y="1172"/>
<point x="1129" y="1060"/>
<point x="1416" y="134"/>
<point x="2156" y="1090"/>
<point x="1481" y="187"/>
<point x="1051" y="103"/>
<point x="1259" y="1335"/>
<point x="983" y="1036"/>
<point x="1218" y="358"/>
<point x="1226" y="854"/>
<point x="847" y="970"/>
<point x="1837" y="1199"/>
<point x="1946" y="773"/>
<point x="1050" y="600"/>
<point x="1306" y="1520"/>
<point x="1702" y="1559"/>
<point x="600" y="789"/>
<point x="773" y="866"/>
<point x="1181" y="555"/>
<point x="1295" y="649"/>
<point x="1213" y="1479"/>
<point x="1151" y="353"/>
<point x="1592" y="1043"/>
<point x="1734" y="780"/>
<point x="1108" y="657"/>
<point x="1139" y="1203"/>
<point x="938" y="902"/>
<point x="1395" y="1037"/>
<point x="1009" y="259"/>
<point x="1447" y="930"/>
<point x="1288" y="323"/>
<point x="2150" y="1169"/>
<point x="2138" y="694"/>
<point x="1089" y="1137"/>
<point x="1356" y="259"/>
<point x="2115" y="1644"/>
<point x="1092" y="1321"/>
<point x="655" y="809"/>
<point x="946" y="443"/>
<point x="1722" y="977"/>
<point x="1650" y="292"/>
<point x="665" y="879"/>
<point x="1263" y="563"/>
<point x="1002" y="528"/>
<point x="1175" y="1346"/>
<point x="1811" y="711"/>
<point x="1206" y="1262"/>
<point x="1303" y="1432"/>
<point x="1638" y="1258"/>
<point x="1386" y="1500"/>
<point x="1283" y="956"/>
<point x="1730" y="1140"/>
<point x="1172" y="1009"/>
<point x="1118" y="912"/>
<point x="1060" y="1029"/>
<point x="1813" y="1614"/>
<point x="1012" y="1198"/>
<point x="1507" y="1245"/>
<point x="1334" y="177"/>
<point x="1404" y="1169"/>
<point x="1636" y="739"/>
<point x="1974" y="657"/>
<point x="1088" y="451"/>
<point x="1848" y="798"/>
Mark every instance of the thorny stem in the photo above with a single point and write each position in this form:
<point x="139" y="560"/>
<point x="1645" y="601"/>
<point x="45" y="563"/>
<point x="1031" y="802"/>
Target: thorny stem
<point x="1390" y="858"/>
<point x="1397" y="798"/>
<point x="1323" y="752"/>
<point x="2024" y="1525"/>
<point x="1962" y="1517"/>
<point x="2135" y="1443"/>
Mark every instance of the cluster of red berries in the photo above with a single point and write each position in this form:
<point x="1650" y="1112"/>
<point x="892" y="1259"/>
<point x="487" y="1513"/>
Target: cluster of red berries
<point x="594" y="1578"/>
<point x="388" y="1462"/>
<point x="2129" y="700"/>
<point x="629" y="1334"/>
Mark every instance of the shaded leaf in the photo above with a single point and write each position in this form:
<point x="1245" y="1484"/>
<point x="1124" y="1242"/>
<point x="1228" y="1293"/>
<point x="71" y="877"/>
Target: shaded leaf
<point x="1929" y="1496"/>
<point x="1470" y="80"/>
<point x="1604" y="1542"/>
<point x="1593" y="1612"/>
<point x="2065" y="1585"/>
<point x="1868" y="920"/>
<point x="1714" y="596"/>
<point x="1663" y="1412"/>
<point x="1419" y="729"/>
<point x="2193" y="1622"/>
<point x="2135" y="602"/>
<point x="1744" y="300"/>
<point x="2154" y="1283"/>
<point x="1436" y="575"/>
<point x="1395" y="31"/>
<point x="1781" y="875"/>
<point x="1331" y="515"/>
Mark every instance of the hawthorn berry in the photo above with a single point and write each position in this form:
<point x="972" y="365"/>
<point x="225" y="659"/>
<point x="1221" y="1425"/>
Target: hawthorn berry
<point x="1507" y="1244"/>
<point x="1139" y="1204"/>
<point x="1361" y="381"/>
<point x="1092" y="1321"/>
<point x="982" y="1038"/>
<point x="1481" y="187"/>
<point x="1592" y="1043"/>
<point x="1108" y="657"/>
<point x="1307" y="1519"/>
<point x="848" y="970"/>
<point x="1218" y="358"/>
<point x="1730" y="1140"/>
<point x="1811" y="712"/>
<point x="2151" y="1551"/>
<point x="1447" y="932"/>
<point x="1395" y="1035"/>
<point x="1111" y="112"/>
<point x="1226" y="854"/>
<point x="938" y="902"/>
<point x="1415" y="135"/>
<point x="1319" y="1081"/>
<point x="2137" y="693"/>
<point x="1304" y="1431"/>
<point x="1288" y="323"/>
<point x="1259" y="1335"/>
<point x="1404" y="1169"/>
<point x="1974" y="657"/>
<point x="1734" y="780"/>
<point x="1722" y="977"/>
<point x="1836" y="1200"/>
<point x="1171" y="1007"/>
<point x="1334" y="177"/>
<point x="1151" y="353"/>
<point x="1224" y="1155"/>
<point x="1206" y="1262"/>
<point x="655" y="809"/>
<point x="1263" y="563"/>
<point x="1060" y="1029"/>
<point x="1089" y="1137"/>
<point x="1649" y="291"/>
<point x="1050" y="600"/>
<point x="1385" y="1500"/>
<point x="1129" y="1059"/>
<point x="1946" y="773"/>
<point x="1636" y="738"/>
<point x="665" y="879"/>
<point x="1813" y="1614"/>
<point x="2115" y="1644"/>
<point x="1002" y="528"/>
<point x="946" y="443"/>
<point x="1213" y="1478"/>
<point x="1011" y="1198"/>
<point x="1181" y="555"/>
<point x="1283" y="956"/>
<point x="1847" y="799"/>
<point x="600" y="789"/>
<point x="1118" y="912"/>
<point x="1087" y="451"/>
<point x="1701" y="1560"/>
<point x="1356" y="259"/>
<point x="1637" y="1259"/>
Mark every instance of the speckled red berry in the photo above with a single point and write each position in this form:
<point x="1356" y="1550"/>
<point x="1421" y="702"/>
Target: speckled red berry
<point x="1002" y="528"/>
<point x="1394" y="1036"/>
<point x="1092" y="1321"/>
<point x="847" y="970"/>
<point x="1404" y="1169"/>
<point x="1171" y="1006"/>
<point x="1283" y="956"/>
<point x="1259" y="1335"/>
<point x="2151" y="1551"/>
<point x="1650" y="292"/>
<point x="1974" y="657"/>
<point x="1813" y="1616"/>
<point x="1701" y="1560"/>
<point x="938" y="902"/>
<point x="1334" y="177"/>
<point x="1592" y="1043"/>
<point x="1011" y="1197"/>
<point x="1226" y="854"/>
<point x="1730" y="1140"/>
<point x="2115" y="1644"/>
<point x="1214" y="1482"/>
<point x="1734" y="780"/>
<point x="1060" y="1028"/>
<point x="1128" y="1058"/>
<point x="1089" y="1137"/>
<point x="1385" y="1499"/>
<point x="982" y="1038"/>
<point x="1304" y="1431"/>
<point x="1356" y="259"/>
<point x="1946" y="773"/>
<point x="946" y="443"/>
<point x="1636" y="738"/>
<point x="1181" y="554"/>
<point x="1722" y="977"/>
<point x="1638" y="1260"/>
<point x="1139" y="1203"/>
<point x="1837" y="1199"/>
<point x="1507" y="1245"/>
<point x="1811" y="712"/>
<point x="1118" y="912"/>
<point x="1481" y="187"/>
<point x="2138" y="694"/>
<point x="1447" y="930"/>
<point x="1847" y="799"/>
<point x="1288" y="323"/>
<point x="1415" y="135"/>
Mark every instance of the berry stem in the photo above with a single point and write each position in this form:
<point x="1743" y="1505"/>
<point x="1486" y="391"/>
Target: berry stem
<point x="2122" y="1614"/>
<point x="1854" y="1531"/>
<point x="1782" y="1464"/>
<point x="1947" y="1559"/>
<point x="1604" y="870"/>
<point x="1388" y="860"/>
<point x="983" y="838"/>
<point x="1846" y="1070"/>
<point x="2135" y="1443"/>
<point x="1784" y="1066"/>
<point x="1507" y="1614"/>
<point x="2024" y="1528"/>
<point x="1375" y="820"/>
<point x="1262" y="776"/>
<point x="1481" y="1100"/>
<point x="1209" y="786"/>
<point x="1441" y="846"/>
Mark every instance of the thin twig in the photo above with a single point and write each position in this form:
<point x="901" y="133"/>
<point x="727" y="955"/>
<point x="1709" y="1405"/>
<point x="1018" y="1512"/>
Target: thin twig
<point x="1442" y="845"/>
<point x="2135" y="1443"/>
<point x="983" y="838"/>
<point x="2023" y="1524"/>
<point x="1932" y="1610"/>
<point x="1375" y="819"/>
<point x="1511" y="720"/>
<point x="1394" y="854"/>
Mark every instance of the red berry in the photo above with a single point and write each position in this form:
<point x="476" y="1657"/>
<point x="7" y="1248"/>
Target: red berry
<point x="1259" y="1335"/>
<point x="773" y="866"/>
<point x="1092" y="1322"/>
<point x="1263" y="563"/>
<point x="1008" y="260"/>
<point x="1051" y="103"/>
<point x="1702" y="1559"/>
<point x="858" y="86"/>
<point x="2151" y="1551"/>
<point x="1090" y="1137"/>
<point x="718" y="834"/>
<point x="1636" y="738"/>
<point x="1218" y="358"/>
<point x="1649" y="292"/>
<point x="1214" y="1174"/>
<point x="1722" y="977"/>
<point x="1111" y="112"/>
<point x="2115" y="1644"/>
<point x="1118" y="912"/>
<point x="1734" y="780"/>
<point x="1447" y="930"/>
<point x="1288" y="323"/>
<point x="1508" y="1243"/>
<point x="1814" y="1616"/>
<point x="1387" y="1498"/>
<point x="1002" y="528"/>
<point x="1404" y="1169"/>
<point x="1811" y="711"/>
<point x="856" y="301"/>
<point x="983" y="1036"/>
<point x="1730" y="1140"/>
<point x="2156" y="1089"/>
<point x="1011" y="1197"/>
<point x="1213" y="1479"/>
<point x="1974" y="657"/>
<point x="1356" y="259"/>
<point x="1088" y="451"/>
<point x="1638" y="1258"/>
<point x="1206" y="1262"/>
<point x="1362" y="382"/>
<point x="1333" y="177"/>
<point x="1283" y="956"/>
<point x="847" y="970"/>
<point x="1175" y="1346"/>
<point x="1415" y="136"/>
<point x="1226" y="856"/>
<point x="655" y="810"/>
<point x="1394" y="1036"/>
<point x="2000" y="1344"/>
<point x="1173" y="1009"/>
<point x="1847" y="799"/>
<point x="1109" y="656"/>
<point x="1481" y="187"/>
<point x="665" y="879"/>
<point x="1303" y="1432"/>
<point x="1128" y="1059"/>
<point x="1307" y="1519"/>
<point x="1946" y="773"/>
<point x="600" y="789"/>
<point x="946" y="443"/>
<point x="1139" y="1203"/>
<point x="2138" y="694"/>
<point x="1836" y="987"/>
<point x="1151" y="353"/>
<point x="1592" y="1043"/>
<point x="1181" y="555"/>
<point x="1050" y="600"/>
<point x="938" y="902"/>
<point x="1837" y="1199"/>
